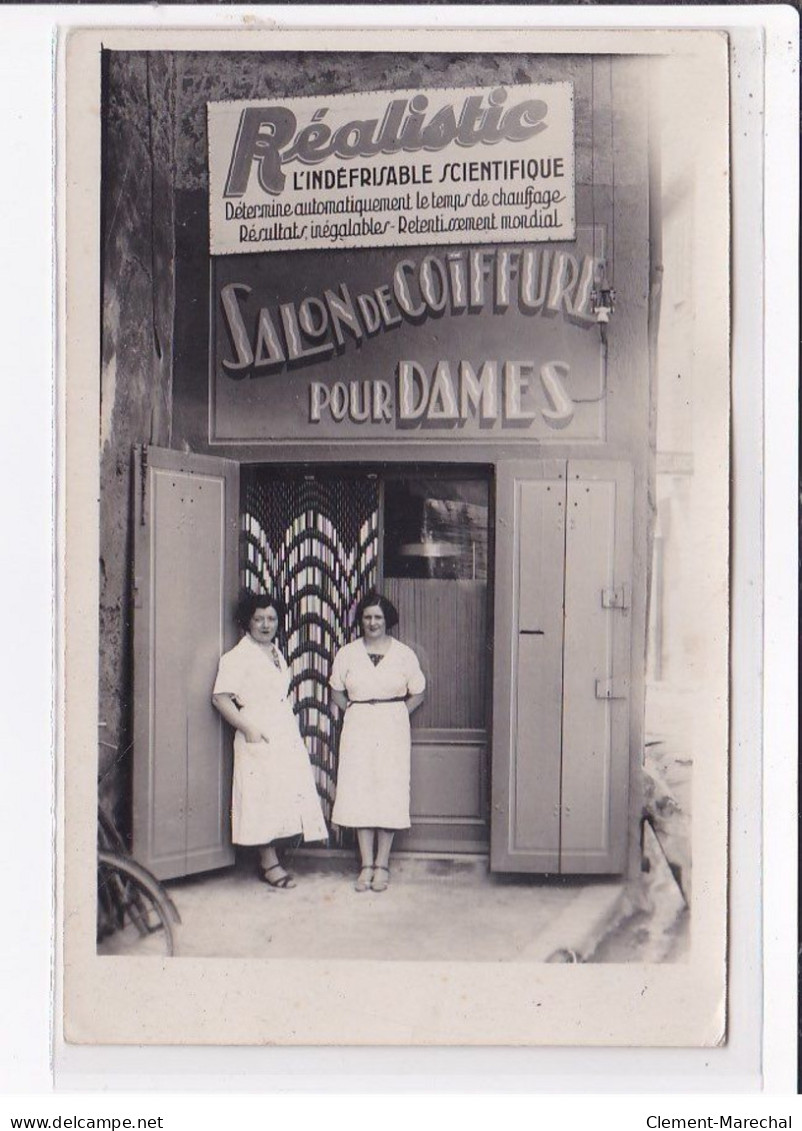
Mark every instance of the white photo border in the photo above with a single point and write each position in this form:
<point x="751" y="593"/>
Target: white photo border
<point x="25" y="431"/>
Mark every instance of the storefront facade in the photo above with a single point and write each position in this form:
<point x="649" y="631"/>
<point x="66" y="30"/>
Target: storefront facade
<point x="463" y="425"/>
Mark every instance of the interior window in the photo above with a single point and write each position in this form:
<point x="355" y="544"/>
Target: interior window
<point x="436" y="528"/>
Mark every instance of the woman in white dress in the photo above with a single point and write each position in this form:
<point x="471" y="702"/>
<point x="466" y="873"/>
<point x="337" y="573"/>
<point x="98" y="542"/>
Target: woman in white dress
<point x="377" y="681"/>
<point x="273" y="794"/>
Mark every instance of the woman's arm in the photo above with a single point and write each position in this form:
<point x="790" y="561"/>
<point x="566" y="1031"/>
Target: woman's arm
<point x="414" y="701"/>
<point x="339" y="698"/>
<point x="232" y="714"/>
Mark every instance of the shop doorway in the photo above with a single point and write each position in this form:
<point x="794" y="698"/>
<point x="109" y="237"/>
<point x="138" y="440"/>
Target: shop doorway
<point x="553" y="539"/>
<point x="322" y="537"/>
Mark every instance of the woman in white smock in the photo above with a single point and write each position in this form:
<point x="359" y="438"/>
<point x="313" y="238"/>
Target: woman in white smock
<point x="378" y="682"/>
<point x="273" y="793"/>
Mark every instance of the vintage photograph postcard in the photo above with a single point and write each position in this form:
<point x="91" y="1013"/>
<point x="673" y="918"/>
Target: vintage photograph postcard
<point x="395" y="426"/>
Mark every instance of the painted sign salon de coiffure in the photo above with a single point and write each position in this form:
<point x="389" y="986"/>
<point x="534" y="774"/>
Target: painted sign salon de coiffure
<point x="457" y="336"/>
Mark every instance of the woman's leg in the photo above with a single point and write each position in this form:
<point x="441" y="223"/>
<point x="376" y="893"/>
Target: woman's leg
<point x="381" y="871"/>
<point x="273" y="871"/>
<point x="385" y="844"/>
<point x="365" y="839"/>
<point x="268" y="857"/>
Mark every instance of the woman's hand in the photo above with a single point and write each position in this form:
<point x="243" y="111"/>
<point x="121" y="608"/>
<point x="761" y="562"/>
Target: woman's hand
<point x="253" y="734"/>
<point x="414" y="701"/>
<point x="232" y="714"/>
<point x="339" y="698"/>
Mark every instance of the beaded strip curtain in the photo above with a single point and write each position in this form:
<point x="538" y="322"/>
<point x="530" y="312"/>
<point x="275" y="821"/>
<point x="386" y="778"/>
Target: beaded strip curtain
<point x="313" y="541"/>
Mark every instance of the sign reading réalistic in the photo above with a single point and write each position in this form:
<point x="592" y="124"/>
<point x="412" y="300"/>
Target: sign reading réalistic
<point x="391" y="168"/>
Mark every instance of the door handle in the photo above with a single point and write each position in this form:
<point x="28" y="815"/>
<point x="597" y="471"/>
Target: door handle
<point x="612" y="688"/>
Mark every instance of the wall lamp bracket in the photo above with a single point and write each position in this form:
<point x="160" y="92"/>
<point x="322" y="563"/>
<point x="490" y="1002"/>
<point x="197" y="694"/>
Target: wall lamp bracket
<point x="602" y="301"/>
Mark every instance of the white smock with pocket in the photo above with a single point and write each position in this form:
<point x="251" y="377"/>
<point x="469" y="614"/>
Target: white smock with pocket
<point x="273" y="793"/>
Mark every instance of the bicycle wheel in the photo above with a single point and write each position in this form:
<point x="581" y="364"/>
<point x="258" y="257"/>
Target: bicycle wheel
<point x="135" y="913"/>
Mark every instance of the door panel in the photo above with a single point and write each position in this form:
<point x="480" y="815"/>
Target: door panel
<point x="447" y="774"/>
<point x="562" y="633"/>
<point x="595" y="758"/>
<point x="530" y="549"/>
<point x="445" y="623"/>
<point x="185" y="534"/>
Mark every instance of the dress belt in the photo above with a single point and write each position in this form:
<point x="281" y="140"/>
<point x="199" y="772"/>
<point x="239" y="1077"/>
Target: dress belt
<point x="372" y="702"/>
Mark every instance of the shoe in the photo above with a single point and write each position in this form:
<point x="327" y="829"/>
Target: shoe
<point x="364" y="878"/>
<point x="380" y="883"/>
<point x="282" y="883"/>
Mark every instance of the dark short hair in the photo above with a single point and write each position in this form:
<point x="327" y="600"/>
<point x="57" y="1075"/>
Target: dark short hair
<point x="248" y="603"/>
<point x="386" y="606"/>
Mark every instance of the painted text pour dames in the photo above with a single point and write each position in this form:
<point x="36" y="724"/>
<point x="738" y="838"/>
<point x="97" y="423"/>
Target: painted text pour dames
<point x="269" y="136"/>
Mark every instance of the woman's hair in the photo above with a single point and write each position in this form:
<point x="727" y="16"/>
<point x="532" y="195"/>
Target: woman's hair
<point x="248" y="603"/>
<point x="386" y="606"/>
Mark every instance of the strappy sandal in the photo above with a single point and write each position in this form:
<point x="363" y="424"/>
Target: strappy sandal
<point x="364" y="878"/>
<point x="379" y="884"/>
<point x="283" y="883"/>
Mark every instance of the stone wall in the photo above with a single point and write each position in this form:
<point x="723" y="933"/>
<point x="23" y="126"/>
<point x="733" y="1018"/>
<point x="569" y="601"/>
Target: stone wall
<point x="138" y="299"/>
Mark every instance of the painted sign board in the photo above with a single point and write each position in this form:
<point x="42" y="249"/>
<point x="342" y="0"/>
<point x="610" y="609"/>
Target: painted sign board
<point x="393" y="168"/>
<point x="441" y="343"/>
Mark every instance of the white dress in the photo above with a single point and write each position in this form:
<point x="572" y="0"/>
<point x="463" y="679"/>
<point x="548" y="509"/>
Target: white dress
<point x="273" y="793"/>
<point x="374" y="764"/>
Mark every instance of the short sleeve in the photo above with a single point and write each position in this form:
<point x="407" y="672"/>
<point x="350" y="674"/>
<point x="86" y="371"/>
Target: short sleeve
<point x="416" y="681"/>
<point x="228" y="681"/>
<point x="339" y="672"/>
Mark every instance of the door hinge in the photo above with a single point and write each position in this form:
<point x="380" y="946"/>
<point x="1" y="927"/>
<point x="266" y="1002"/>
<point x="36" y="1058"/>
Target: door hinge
<point x="617" y="598"/>
<point x="612" y="688"/>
